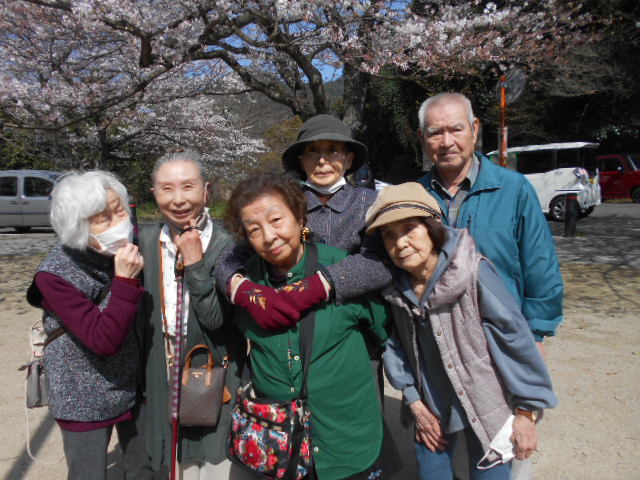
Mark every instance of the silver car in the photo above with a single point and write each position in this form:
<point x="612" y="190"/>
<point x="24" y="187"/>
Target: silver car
<point x="25" y="198"/>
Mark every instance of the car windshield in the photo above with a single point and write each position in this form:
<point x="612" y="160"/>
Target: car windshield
<point x="634" y="160"/>
<point x="530" y="159"/>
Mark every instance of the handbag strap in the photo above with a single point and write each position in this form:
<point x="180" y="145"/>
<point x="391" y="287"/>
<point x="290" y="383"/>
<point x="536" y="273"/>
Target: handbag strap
<point x="177" y="347"/>
<point x="55" y="334"/>
<point x="103" y="293"/>
<point x="200" y="346"/>
<point x="307" y="323"/>
<point x="61" y="330"/>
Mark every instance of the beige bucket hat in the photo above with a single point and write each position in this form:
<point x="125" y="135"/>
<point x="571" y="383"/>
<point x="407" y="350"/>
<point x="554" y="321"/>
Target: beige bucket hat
<point x="398" y="202"/>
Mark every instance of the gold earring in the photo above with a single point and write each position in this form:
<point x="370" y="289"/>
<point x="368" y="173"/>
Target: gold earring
<point x="304" y="234"/>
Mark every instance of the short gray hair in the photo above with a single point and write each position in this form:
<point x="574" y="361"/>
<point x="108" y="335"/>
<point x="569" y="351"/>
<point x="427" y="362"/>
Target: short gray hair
<point x="76" y="197"/>
<point x="183" y="156"/>
<point x="441" y="97"/>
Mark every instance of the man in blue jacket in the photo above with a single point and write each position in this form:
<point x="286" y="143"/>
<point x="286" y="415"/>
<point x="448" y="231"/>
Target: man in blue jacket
<point x="498" y="206"/>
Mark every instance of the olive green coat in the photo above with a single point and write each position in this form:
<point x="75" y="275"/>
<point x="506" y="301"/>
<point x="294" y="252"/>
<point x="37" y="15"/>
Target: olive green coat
<point x="209" y="322"/>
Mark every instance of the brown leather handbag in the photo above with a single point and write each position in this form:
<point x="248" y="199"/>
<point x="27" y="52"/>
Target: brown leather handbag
<point x="202" y="391"/>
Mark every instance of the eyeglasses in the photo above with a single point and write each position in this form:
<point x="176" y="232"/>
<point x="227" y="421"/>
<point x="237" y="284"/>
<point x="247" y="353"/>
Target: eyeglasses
<point x="332" y="156"/>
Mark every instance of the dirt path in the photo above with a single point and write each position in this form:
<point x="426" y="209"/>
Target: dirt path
<point x="595" y="364"/>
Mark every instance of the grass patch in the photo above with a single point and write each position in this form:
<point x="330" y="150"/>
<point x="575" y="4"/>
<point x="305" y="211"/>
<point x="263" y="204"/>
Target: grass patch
<point x="148" y="212"/>
<point x="217" y="208"/>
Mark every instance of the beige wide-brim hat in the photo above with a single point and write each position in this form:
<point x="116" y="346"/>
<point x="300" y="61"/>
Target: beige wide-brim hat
<point x="398" y="202"/>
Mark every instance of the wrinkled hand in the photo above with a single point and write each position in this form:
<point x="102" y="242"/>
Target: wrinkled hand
<point x="128" y="261"/>
<point x="189" y="245"/>
<point x="305" y="293"/>
<point x="524" y="437"/>
<point x="428" y="429"/>
<point x="269" y="309"/>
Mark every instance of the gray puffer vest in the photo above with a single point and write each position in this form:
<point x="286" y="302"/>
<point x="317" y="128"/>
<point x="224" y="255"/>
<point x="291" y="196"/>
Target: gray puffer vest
<point x="457" y="328"/>
<point x="83" y="386"/>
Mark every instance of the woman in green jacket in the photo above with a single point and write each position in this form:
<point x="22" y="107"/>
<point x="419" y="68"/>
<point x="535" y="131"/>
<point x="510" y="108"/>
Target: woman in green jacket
<point x="269" y="211"/>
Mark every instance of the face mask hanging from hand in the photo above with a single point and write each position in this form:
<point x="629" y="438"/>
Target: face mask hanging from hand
<point x="115" y="238"/>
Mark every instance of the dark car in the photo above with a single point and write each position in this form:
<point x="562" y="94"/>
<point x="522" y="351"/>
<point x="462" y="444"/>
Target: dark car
<point x="619" y="175"/>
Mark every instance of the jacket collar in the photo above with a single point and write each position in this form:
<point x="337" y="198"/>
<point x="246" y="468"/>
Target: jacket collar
<point x="455" y="277"/>
<point x="152" y="240"/>
<point x="487" y="176"/>
<point x="467" y="183"/>
<point x="338" y="202"/>
<point x="260" y="266"/>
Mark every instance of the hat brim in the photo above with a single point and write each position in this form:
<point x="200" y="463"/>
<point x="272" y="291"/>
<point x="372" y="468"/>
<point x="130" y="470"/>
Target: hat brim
<point x="392" y="216"/>
<point x="291" y="156"/>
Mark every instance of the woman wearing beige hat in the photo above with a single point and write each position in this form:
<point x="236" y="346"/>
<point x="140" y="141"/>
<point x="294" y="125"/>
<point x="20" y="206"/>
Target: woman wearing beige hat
<point x="461" y="352"/>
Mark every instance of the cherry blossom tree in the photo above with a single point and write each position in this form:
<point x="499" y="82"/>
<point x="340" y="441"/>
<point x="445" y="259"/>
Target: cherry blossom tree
<point x="80" y="80"/>
<point x="115" y="72"/>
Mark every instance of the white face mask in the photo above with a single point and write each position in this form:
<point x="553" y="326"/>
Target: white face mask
<point x="330" y="190"/>
<point x="115" y="238"/>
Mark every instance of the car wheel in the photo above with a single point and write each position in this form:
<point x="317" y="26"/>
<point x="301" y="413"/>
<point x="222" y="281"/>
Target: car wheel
<point x="557" y="208"/>
<point x="587" y="212"/>
<point x="22" y="229"/>
<point x="635" y="195"/>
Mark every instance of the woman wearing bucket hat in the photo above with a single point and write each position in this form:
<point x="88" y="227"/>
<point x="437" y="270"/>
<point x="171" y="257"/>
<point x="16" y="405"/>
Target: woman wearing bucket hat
<point x="323" y="154"/>
<point x="461" y="352"/>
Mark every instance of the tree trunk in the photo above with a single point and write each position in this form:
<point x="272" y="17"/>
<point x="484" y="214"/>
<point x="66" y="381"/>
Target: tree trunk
<point x="103" y="155"/>
<point x="355" y="92"/>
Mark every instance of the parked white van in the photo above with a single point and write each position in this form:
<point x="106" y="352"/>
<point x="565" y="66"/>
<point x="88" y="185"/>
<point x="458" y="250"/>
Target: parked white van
<point x="25" y="198"/>
<point x="555" y="169"/>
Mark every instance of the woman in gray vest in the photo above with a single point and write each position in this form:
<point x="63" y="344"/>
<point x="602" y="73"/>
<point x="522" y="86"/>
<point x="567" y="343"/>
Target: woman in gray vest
<point x="89" y="289"/>
<point x="461" y="352"/>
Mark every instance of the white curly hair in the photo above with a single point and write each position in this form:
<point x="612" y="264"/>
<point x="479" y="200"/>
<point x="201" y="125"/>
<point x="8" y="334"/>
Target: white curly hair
<point x="76" y="197"/>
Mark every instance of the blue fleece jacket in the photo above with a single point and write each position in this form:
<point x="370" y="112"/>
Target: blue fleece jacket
<point x="503" y="215"/>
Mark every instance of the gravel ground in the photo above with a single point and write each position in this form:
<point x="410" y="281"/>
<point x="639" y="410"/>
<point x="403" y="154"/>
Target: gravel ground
<point x="593" y="360"/>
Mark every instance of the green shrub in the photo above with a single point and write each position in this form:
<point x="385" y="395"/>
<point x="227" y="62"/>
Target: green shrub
<point x="148" y="212"/>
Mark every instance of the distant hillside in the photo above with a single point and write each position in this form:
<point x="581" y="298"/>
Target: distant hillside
<point x="261" y="113"/>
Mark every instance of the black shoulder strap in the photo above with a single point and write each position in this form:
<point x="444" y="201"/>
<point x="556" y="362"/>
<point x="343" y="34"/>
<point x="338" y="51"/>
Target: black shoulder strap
<point x="307" y="323"/>
<point x="61" y="330"/>
<point x="103" y="293"/>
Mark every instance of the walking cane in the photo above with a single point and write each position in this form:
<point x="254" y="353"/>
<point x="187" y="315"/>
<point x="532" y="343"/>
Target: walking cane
<point x="175" y="369"/>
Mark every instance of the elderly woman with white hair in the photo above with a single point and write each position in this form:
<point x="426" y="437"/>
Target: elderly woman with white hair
<point x="89" y="289"/>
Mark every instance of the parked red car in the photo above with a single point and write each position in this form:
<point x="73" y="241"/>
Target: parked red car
<point x="619" y="175"/>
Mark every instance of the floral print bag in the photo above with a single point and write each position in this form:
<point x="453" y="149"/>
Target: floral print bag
<point x="272" y="438"/>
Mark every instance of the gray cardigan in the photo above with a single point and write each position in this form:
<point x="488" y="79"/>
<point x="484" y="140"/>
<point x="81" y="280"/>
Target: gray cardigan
<point x="339" y="223"/>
